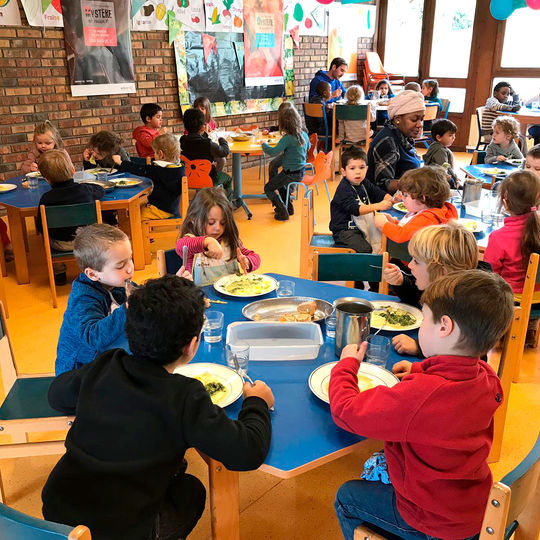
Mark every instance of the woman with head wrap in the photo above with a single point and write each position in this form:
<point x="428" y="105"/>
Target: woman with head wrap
<point x="392" y="151"/>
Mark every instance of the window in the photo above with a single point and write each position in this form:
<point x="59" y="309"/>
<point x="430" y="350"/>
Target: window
<point x="403" y="35"/>
<point x="527" y="88"/>
<point x="517" y="52"/>
<point x="456" y="97"/>
<point x="452" y="35"/>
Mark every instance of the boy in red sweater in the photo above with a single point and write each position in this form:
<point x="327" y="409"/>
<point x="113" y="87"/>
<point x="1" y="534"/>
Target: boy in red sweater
<point x="152" y="117"/>
<point x="437" y="423"/>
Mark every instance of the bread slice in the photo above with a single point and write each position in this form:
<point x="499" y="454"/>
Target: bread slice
<point x="304" y="317"/>
<point x="307" y="307"/>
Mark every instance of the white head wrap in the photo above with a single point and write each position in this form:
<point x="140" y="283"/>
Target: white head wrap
<point x="405" y="102"/>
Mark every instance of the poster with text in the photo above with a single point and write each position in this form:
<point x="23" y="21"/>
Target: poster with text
<point x="98" y="46"/>
<point x="263" y="45"/>
<point x="310" y="16"/>
<point x="9" y="13"/>
<point x="154" y="14"/>
<point x="224" y="15"/>
<point x="43" y="12"/>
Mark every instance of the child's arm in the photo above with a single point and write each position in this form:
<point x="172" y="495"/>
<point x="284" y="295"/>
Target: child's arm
<point x="144" y="142"/>
<point x="278" y="149"/>
<point x="30" y="164"/>
<point x="64" y="390"/>
<point x="404" y="233"/>
<point x="219" y="150"/>
<point x="198" y="244"/>
<point x="494" y="253"/>
<point x="491" y="154"/>
<point x="516" y="153"/>
<point x="252" y="260"/>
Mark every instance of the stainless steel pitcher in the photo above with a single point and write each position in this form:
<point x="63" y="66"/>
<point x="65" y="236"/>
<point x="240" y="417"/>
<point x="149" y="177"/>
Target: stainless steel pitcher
<point x="472" y="190"/>
<point x="352" y="321"/>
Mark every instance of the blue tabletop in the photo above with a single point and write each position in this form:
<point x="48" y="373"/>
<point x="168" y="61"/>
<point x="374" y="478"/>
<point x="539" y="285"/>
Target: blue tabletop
<point x="29" y="198"/>
<point x="477" y="171"/>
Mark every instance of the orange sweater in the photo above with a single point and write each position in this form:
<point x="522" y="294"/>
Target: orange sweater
<point x="431" y="216"/>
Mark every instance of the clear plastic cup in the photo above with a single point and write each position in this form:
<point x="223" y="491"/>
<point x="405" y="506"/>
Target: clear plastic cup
<point x="378" y="350"/>
<point x="33" y="182"/>
<point x="487" y="216"/>
<point x="241" y="350"/>
<point x="331" y="326"/>
<point x="285" y="288"/>
<point x="498" y="220"/>
<point x="102" y="176"/>
<point x="213" y="326"/>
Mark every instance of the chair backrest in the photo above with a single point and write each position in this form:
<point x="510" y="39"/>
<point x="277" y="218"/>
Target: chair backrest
<point x="478" y="157"/>
<point x="348" y="266"/>
<point x="168" y="262"/>
<point x="445" y="107"/>
<point x="313" y="141"/>
<point x="323" y="168"/>
<point x="315" y="110"/>
<point x="479" y="113"/>
<point x="71" y="215"/>
<point x="396" y="250"/>
<point x="184" y="198"/>
<point x="351" y="112"/>
<point x="374" y="65"/>
<point x="8" y="370"/>
<point x="431" y="111"/>
<point x="198" y="172"/>
<point x="15" y="525"/>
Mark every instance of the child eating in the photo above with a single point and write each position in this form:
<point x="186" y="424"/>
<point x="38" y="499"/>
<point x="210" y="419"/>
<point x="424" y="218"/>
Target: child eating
<point x="152" y="118"/>
<point x="437" y="423"/>
<point x="500" y="101"/>
<point x="443" y="133"/>
<point x="323" y="94"/>
<point x="101" y="148"/>
<point x="46" y="137"/>
<point x="502" y="145"/>
<point x="354" y="131"/>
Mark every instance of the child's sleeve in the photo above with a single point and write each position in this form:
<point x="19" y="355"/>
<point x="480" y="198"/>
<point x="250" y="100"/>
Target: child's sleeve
<point x="494" y="253"/>
<point x="404" y="233"/>
<point x="278" y="149"/>
<point x="135" y="168"/>
<point x="516" y="153"/>
<point x="253" y="258"/>
<point x="437" y="157"/>
<point x="195" y="244"/>
<point x="491" y="154"/>
<point x="375" y="193"/>
<point x="219" y="150"/>
<point x="144" y="142"/>
<point x="64" y="390"/>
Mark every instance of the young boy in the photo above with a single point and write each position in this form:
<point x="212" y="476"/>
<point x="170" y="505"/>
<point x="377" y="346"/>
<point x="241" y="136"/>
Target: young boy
<point x="500" y="101"/>
<point x="197" y="145"/>
<point x="443" y="133"/>
<point x="152" y="118"/>
<point x="136" y="419"/>
<point x="166" y="173"/>
<point x="323" y="94"/>
<point x="356" y="197"/>
<point x="437" y="423"/>
<point x="532" y="161"/>
<point x="502" y="145"/>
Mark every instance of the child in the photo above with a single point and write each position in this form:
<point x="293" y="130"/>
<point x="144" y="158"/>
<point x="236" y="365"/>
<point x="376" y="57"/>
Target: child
<point x="316" y="125"/>
<point x="355" y="201"/>
<point x="498" y="102"/>
<point x="430" y="91"/>
<point x="443" y="133"/>
<point x="197" y="145"/>
<point x="532" y="161"/>
<point x="502" y="145"/>
<point x="46" y="137"/>
<point x="101" y="148"/>
<point x="413" y="86"/>
<point x="211" y="236"/>
<point x="275" y="163"/>
<point x="384" y="90"/>
<point x="294" y="144"/>
<point x="354" y="131"/>
<point x="510" y="247"/>
<point x="136" y="418"/>
<point x="437" y="423"/>
<point x="152" y="117"/>
<point x="203" y="104"/>
<point x="425" y="192"/>
<point x="534" y="131"/>
<point x="166" y="173"/>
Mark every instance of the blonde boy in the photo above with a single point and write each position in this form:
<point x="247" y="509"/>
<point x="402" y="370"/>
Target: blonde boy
<point x="532" y="161"/>
<point x="502" y="145"/>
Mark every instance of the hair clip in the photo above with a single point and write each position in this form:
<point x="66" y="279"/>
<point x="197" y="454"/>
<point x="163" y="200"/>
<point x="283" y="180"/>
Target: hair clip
<point x="533" y="208"/>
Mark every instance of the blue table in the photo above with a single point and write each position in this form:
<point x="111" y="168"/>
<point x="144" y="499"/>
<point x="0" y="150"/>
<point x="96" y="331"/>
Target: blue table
<point x="21" y="203"/>
<point x="476" y="171"/>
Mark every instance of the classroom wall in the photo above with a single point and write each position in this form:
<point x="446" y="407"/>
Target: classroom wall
<point x="34" y="87"/>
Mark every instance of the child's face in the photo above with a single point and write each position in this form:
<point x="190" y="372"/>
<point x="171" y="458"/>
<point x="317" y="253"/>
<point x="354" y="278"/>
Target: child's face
<point x="44" y="141"/>
<point x="202" y="109"/>
<point x="97" y="154"/>
<point x="355" y="171"/>
<point x="428" y="334"/>
<point x="533" y="165"/>
<point x="447" y="139"/>
<point x="502" y="94"/>
<point x="119" y="265"/>
<point x="156" y="120"/>
<point x="426" y="90"/>
<point x="327" y="92"/>
<point x="215" y="223"/>
<point x="419" y="270"/>
<point x="383" y="90"/>
<point x="413" y="205"/>
<point x="500" y="137"/>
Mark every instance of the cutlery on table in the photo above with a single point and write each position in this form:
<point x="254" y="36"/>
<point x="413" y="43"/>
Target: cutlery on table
<point x="242" y="374"/>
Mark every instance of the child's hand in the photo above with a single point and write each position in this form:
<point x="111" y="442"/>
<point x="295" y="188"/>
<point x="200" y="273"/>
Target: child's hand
<point x="117" y="159"/>
<point x="87" y="154"/>
<point x="380" y="220"/>
<point x="33" y="167"/>
<point x="336" y="93"/>
<point x="353" y="351"/>
<point x="405" y="344"/>
<point x="213" y="248"/>
<point x="401" y="369"/>
<point x="243" y="261"/>
<point x="259" y="389"/>
<point x="501" y="158"/>
<point x="393" y="275"/>
<point x="385" y="204"/>
<point x="184" y="273"/>
<point x="162" y="130"/>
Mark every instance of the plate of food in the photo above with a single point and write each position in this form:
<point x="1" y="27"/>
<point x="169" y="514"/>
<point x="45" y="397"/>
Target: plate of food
<point x="494" y="171"/>
<point x="288" y="309"/>
<point x="223" y="384"/>
<point x="369" y="376"/>
<point x="242" y="137"/>
<point x="126" y="182"/>
<point x="472" y="225"/>
<point x="400" y="207"/>
<point x="98" y="170"/>
<point x="246" y="285"/>
<point x="4" y="188"/>
<point x="35" y="174"/>
<point x="394" y="316"/>
<point x="107" y="185"/>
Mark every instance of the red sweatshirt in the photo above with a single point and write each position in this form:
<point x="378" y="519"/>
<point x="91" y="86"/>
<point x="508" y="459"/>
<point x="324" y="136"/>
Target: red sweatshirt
<point x="437" y="424"/>
<point x="143" y="140"/>
<point x="431" y="216"/>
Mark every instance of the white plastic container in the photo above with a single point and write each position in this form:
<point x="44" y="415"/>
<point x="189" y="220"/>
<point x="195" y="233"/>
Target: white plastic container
<point x="474" y="208"/>
<point x="277" y="341"/>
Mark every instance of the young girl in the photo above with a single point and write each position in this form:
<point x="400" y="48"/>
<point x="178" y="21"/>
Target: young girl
<point x="213" y="245"/>
<point x="430" y="91"/>
<point x="294" y="144"/>
<point x="46" y="137"/>
<point x="425" y="192"/>
<point x="354" y="131"/>
<point x="385" y="92"/>
<point x="502" y="145"/>
<point x="101" y="148"/>
<point x="510" y="247"/>
<point x="203" y="104"/>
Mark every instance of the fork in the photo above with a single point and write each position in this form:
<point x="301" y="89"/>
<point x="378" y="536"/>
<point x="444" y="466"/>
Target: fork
<point x="242" y="373"/>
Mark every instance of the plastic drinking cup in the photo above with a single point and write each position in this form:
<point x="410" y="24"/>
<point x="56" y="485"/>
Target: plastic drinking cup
<point x="213" y="326"/>
<point x="33" y="182"/>
<point x="241" y="350"/>
<point x="102" y="176"/>
<point x="378" y="350"/>
<point x="285" y="288"/>
<point x="331" y="326"/>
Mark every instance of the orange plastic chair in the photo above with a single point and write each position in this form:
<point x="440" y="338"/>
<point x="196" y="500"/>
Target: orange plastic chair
<point x="198" y="173"/>
<point x="323" y="172"/>
<point x="310" y="160"/>
<point x="374" y="72"/>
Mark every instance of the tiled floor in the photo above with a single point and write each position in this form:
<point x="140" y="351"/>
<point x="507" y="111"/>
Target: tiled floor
<point x="271" y="508"/>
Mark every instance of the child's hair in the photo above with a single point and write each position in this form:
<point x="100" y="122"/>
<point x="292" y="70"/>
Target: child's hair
<point x="433" y="85"/>
<point x="384" y="81"/>
<point x="203" y="101"/>
<point x="197" y="216"/>
<point x="442" y="126"/>
<point x="47" y="127"/>
<point x="163" y="316"/>
<point x="285" y="105"/>
<point x="193" y="120"/>
<point x="289" y="122"/>
<point x="428" y="184"/>
<point x="521" y="193"/>
<point x="169" y="145"/>
<point x="149" y="110"/>
<point x="413" y="86"/>
<point x="322" y="87"/>
<point x="106" y="142"/>
<point x="352" y="153"/>
<point x="354" y="94"/>
<point x="444" y="248"/>
<point x="508" y="125"/>
<point x="93" y="242"/>
<point x="500" y="85"/>
<point x="55" y="166"/>
<point x="468" y="298"/>
<point x="534" y="151"/>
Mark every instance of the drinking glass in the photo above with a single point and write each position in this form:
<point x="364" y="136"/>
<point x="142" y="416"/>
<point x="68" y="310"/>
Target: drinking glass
<point x="498" y="220"/>
<point x="487" y="216"/>
<point x="33" y="182"/>
<point x="241" y="350"/>
<point x="102" y="176"/>
<point x="285" y="288"/>
<point x="331" y="326"/>
<point x="378" y="350"/>
<point x="213" y="326"/>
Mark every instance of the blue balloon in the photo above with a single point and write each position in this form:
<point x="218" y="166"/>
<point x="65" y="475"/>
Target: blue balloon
<point x="501" y="9"/>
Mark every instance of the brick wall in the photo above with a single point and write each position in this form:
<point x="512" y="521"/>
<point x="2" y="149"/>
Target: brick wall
<point x="34" y="87"/>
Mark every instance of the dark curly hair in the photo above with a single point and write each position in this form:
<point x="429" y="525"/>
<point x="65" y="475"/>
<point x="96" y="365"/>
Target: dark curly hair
<point x="163" y="316"/>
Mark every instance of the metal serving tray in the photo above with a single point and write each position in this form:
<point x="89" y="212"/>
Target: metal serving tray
<point x="271" y="309"/>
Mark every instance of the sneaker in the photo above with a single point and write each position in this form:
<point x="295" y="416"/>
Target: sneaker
<point x="8" y="255"/>
<point x="290" y="208"/>
<point x="281" y="215"/>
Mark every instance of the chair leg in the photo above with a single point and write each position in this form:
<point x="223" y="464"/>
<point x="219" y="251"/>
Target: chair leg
<point x="52" y="286"/>
<point x="2" y="490"/>
<point x="3" y="262"/>
<point x="327" y="191"/>
<point x="146" y="243"/>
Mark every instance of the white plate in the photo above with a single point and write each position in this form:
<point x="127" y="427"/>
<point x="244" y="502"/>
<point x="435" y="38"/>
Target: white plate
<point x="35" y="174"/>
<point x="224" y="374"/>
<point x="221" y="283"/>
<point x="4" y="188"/>
<point x="400" y="207"/>
<point x="472" y="225"/>
<point x="133" y="182"/>
<point x="378" y="304"/>
<point x="319" y="378"/>
<point x="97" y="170"/>
<point x="493" y="171"/>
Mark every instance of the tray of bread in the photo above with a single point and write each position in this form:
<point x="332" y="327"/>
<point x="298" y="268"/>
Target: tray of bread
<point x="288" y="309"/>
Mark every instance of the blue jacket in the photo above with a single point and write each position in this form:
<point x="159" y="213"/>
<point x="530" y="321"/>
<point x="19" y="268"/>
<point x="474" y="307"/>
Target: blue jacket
<point x="88" y="327"/>
<point x="322" y="76"/>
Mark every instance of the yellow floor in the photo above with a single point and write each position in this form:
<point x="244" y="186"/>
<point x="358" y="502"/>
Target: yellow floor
<point x="271" y="509"/>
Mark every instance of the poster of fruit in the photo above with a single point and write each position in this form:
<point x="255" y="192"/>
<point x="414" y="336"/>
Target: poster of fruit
<point x="310" y="16"/>
<point x="155" y="14"/>
<point x="224" y="15"/>
<point x="9" y="13"/>
<point x="43" y="12"/>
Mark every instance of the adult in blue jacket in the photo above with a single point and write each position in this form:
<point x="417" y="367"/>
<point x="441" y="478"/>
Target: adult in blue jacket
<point x="338" y="67"/>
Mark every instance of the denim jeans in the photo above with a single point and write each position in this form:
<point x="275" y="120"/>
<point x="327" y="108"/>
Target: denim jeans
<point x="373" y="504"/>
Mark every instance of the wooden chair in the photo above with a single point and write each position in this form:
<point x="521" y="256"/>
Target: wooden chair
<point x="165" y="228"/>
<point x="69" y="215"/>
<point x="168" y="262"/>
<point x="432" y="110"/>
<point x="316" y="110"/>
<point x="198" y="173"/>
<point x="445" y="108"/>
<point x="349" y="267"/>
<point x="481" y="132"/>
<point x="396" y="250"/>
<point x="311" y="241"/>
<point x="15" y="525"/>
<point x="374" y="72"/>
<point x="25" y="408"/>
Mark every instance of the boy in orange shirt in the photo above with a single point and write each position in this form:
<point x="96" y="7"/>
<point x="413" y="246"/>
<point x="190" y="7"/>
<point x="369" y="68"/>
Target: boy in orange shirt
<point x="152" y="117"/>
